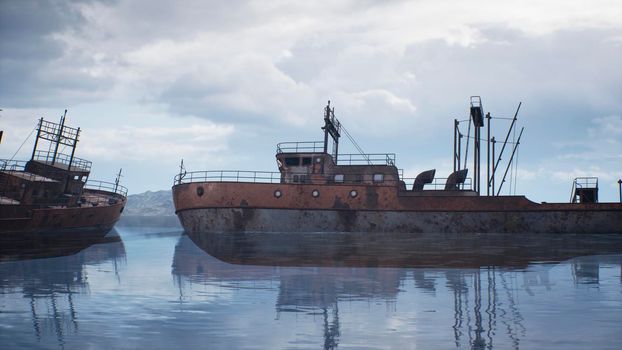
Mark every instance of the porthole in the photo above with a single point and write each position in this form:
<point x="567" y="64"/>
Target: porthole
<point x="200" y="191"/>
<point x="315" y="193"/>
<point x="278" y="194"/>
<point x="353" y="193"/>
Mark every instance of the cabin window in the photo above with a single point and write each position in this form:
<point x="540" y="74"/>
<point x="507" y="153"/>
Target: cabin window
<point x="306" y="161"/>
<point x="339" y="178"/>
<point x="358" y="178"/>
<point x="292" y="161"/>
<point x="378" y="177"/>
<point x="315" y="193"/>
<point x="76" y="177"/>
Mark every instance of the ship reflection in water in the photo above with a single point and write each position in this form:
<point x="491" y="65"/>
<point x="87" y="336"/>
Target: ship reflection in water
<point x="48" y="273"/>
<point x="418" y="282"/>
<point x="157" y="288"/>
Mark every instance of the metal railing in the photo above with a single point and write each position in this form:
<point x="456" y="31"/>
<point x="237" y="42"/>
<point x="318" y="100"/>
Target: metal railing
<point x="64" y="159"/>
<point x="300" y="147"/>
<point x="12" y="165"/>
<point x="19" y="166"/>
<point x="366" y="159"/>
<point x="106" y="186"/>
<point x="580" y="183"/>
<point x="276" y="177"/>
<point x="228" y="176"/>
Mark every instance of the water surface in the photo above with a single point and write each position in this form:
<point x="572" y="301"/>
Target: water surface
<point x="158" y="288"/>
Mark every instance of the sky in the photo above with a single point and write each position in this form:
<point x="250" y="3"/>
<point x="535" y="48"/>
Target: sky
<point x="220" y="83"/>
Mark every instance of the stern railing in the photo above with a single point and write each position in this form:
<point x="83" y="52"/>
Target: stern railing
<point x="106" y="186"/>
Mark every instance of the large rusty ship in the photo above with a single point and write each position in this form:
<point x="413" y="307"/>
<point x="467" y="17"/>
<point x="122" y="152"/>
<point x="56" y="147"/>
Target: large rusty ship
<point x="51" y="195"/>
<point x="319" y="190"/>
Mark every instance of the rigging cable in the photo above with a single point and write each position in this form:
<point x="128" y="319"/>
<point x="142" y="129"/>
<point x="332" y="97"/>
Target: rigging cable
<point x="22" y="145"/>
<point x="356" y="145"/>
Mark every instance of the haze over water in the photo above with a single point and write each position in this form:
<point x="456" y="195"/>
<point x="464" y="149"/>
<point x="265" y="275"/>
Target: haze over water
<point x="156" y="288"/>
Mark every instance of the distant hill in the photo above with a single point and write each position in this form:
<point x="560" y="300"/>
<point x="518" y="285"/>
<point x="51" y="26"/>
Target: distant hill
<point x="150" y="209"/>
<point x="150" y="203"/>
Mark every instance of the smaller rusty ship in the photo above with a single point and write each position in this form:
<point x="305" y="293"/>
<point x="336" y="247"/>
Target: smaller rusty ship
<point x="51" y="195"/>
<point x="320" y="190"/>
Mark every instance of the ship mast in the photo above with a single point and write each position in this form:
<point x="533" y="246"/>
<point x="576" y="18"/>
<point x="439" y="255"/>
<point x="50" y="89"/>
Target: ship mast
<point x="331" y="127"/>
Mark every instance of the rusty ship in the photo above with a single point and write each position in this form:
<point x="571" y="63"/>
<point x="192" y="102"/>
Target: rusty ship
<point x="316" y="189"/>
<point x="51" y="195"/>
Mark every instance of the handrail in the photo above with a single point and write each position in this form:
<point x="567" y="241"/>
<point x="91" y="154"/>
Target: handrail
<point x="582" y="182"/>
<point x="366" y="159"/>
<point x="12" y="165"/>
<point x="19" y="166"/>
<point x="106" y="186"/>
<point x="300" y="147"/>
<point x="276" y="177"/>
<point x="228" y="176"/>
<point x="62" y="158"/>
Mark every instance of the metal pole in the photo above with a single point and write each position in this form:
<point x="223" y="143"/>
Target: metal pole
<point x="34" y="149"/>
<point x="459" y="148"/>
<point x="326" y="120"/>
<point x="511" y="158"/>
<point x="620" y="188"/>
<point x="488" y="156"/>
<point x="492" y="179"/>
<point x="455" y="142"/>
<point x="60" y="135"/>
<point x="507" y="137"/>
<point x="476" y="158"/>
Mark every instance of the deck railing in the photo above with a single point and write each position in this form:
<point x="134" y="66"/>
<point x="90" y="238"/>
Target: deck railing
<point x="12" y="165"/>
<point x="276" y="177"/>
<point x="106" y="186"/>
<point x="342" y="159"/>
<point x="19" y="166"/>
<point x="300" y="147"/>
<point x="228" y="176"/>
<point x="63" y="159"/>
<point x="366" y="159"/>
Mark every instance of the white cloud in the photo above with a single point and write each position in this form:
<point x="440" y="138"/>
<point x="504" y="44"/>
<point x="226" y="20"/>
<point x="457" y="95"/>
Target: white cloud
<point x="148" y="144"/>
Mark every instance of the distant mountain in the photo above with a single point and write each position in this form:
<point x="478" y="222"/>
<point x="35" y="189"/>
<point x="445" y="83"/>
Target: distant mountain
<point x="150" y="203"/>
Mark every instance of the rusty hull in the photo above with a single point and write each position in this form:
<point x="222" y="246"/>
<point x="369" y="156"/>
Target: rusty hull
<point x="254" y="207"/>
<point x="19" y="219"/>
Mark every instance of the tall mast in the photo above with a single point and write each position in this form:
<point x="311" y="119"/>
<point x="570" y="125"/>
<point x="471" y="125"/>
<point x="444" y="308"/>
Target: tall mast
<point x="59" y="136"/>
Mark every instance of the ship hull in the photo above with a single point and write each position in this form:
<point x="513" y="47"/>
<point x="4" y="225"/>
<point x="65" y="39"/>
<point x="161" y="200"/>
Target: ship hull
<point x="300" y="220"/>
<point x="252" y="207"/>
<point x="94" y="220"/>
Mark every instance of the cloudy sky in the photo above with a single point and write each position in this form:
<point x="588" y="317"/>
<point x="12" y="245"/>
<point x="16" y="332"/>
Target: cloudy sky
<point x="220" y="83"/>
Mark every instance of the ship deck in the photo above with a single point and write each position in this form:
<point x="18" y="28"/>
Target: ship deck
<point x="28" y="176"/>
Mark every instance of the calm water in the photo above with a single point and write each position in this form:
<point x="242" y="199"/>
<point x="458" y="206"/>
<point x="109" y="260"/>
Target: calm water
<point x="158" y="289"/>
